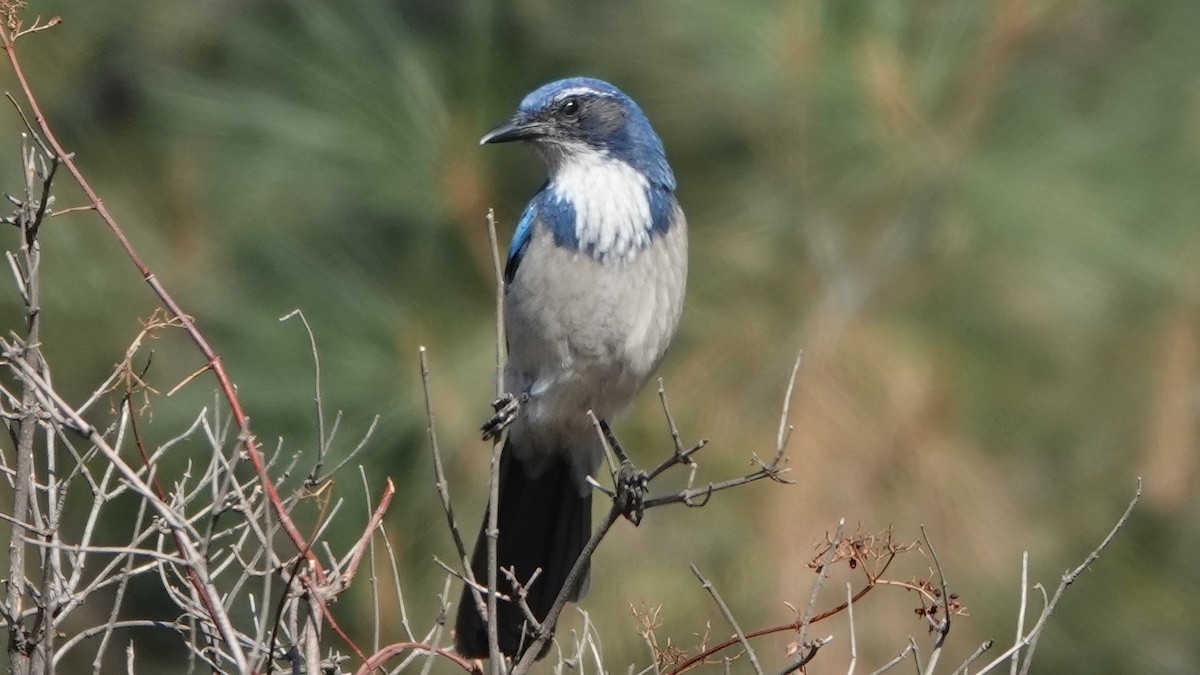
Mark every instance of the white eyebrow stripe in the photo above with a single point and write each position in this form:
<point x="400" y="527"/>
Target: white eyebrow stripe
<point x="576" y="91"/>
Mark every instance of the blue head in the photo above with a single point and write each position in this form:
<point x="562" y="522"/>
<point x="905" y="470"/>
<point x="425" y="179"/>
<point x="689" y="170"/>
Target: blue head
<point x="610" y="191"/>
<point x="581" y="115"/>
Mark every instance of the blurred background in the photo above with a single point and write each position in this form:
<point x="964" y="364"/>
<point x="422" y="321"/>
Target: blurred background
<point x="979" y="220"/>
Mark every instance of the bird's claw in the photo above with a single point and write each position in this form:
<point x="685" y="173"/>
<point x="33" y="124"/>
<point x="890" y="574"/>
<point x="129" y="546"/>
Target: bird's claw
<point x="506" y="407"/>
<point x="632" y="485"/>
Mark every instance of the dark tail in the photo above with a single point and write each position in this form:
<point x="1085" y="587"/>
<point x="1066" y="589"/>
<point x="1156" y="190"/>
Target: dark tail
<point x="544" y="524"/>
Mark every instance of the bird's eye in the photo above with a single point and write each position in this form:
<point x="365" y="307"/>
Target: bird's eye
<point x="569" y="107"/>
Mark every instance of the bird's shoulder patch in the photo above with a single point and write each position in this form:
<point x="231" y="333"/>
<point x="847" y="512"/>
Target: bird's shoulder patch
<point x="662" y="209"/>
<point x="554" y="214"/>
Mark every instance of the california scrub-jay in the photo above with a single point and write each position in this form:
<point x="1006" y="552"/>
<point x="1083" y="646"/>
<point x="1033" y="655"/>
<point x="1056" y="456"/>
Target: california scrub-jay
<point x="593" y="292"/>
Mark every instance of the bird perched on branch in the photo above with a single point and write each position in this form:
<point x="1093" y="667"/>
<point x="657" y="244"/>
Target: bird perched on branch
<point x="594" y="288"/>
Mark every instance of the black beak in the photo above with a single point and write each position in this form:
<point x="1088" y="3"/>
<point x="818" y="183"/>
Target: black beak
<point x="513" y="130"/>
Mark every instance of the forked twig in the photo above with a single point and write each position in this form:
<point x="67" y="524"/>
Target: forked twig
<point x="1030" y="639"/>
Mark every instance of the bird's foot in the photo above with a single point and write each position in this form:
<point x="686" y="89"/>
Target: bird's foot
<point x="506" y="407"/>
<point x="631" y="482"/>
<point x="632" y="485"/>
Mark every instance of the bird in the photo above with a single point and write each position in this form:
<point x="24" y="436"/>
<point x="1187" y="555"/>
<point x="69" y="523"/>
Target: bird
<point x="593" y="292"/>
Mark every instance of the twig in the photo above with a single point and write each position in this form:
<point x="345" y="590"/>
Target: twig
<point x="987" y="644"/>
<point x="785" y="431"/>
<point x="23" y="654"/>
<point x="770" y="469"/>
<point x="350" y="456"/>
<point x="725" y="611"/>
<point x="521" y="595"/>
<point x="438" y="625"/>
<point x="853" y="639"/>
<point x="819" y="581"/>
<point x="498" y="275"/>
<point x="1016" y="661"/>
<point x="688" y="495"/>
<point x="428" y="646"/>
<point x="571" y="581"/>
<point x="493" y="526"/>
<point x="184" y="382"/>
<point x="806" y="619"/>
<point x="1030" y="640"/>
<point x="73" y="209"/>
<point x="389" y="490"/>
<point x="807" y="656"/>
<point x="900" y="657"/>
<point x="942" y="627"/>
<point x="22" y="525"/>
<point x="704" y="654"/>
<point x="39" y="26"/>
<point x="439" y="472"/>
<point x="33" y="132"/>
<point x="109" y="626"/>
<point x="373" y="577"/>
<point x="1071" y="576"/>
<point x="662" y="397"/>
<point x="383" y="655"/>
<point x="323" y="441"/>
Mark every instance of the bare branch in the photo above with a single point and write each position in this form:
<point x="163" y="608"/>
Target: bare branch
<point x="941" y="627"/>
<point x="853" y="637"/>
<point x="493" y="527"/>
<point x="246" y="437"/>
<point x="728" y="614"/>
<point x="1030" y="639"/>
<point x="987" y="644"/>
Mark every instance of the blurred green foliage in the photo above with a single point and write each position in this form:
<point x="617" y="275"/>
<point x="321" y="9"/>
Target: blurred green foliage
<point x="980" y="219"/>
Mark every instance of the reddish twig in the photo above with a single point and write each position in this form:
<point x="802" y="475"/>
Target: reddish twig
<point x="320" y="594"/>
<point x="381" y="657"/>
<point x="193" y="578"/>
<point x="389" y="490"/>
<point x="873" y="580"/>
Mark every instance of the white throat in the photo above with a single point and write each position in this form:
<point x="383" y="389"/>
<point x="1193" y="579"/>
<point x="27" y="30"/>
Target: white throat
<point x="612" y="209"/>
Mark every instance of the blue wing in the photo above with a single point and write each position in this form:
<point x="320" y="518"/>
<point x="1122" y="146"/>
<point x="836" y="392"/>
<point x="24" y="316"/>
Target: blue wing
<point x="520" y="240"/>
<point x="551" y="212"/>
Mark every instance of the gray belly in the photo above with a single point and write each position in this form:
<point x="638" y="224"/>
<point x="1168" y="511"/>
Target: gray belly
<point x="585" y="335"/>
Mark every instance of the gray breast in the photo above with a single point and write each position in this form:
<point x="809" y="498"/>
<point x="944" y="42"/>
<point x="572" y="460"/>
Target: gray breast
<point x="585" y="334"/>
